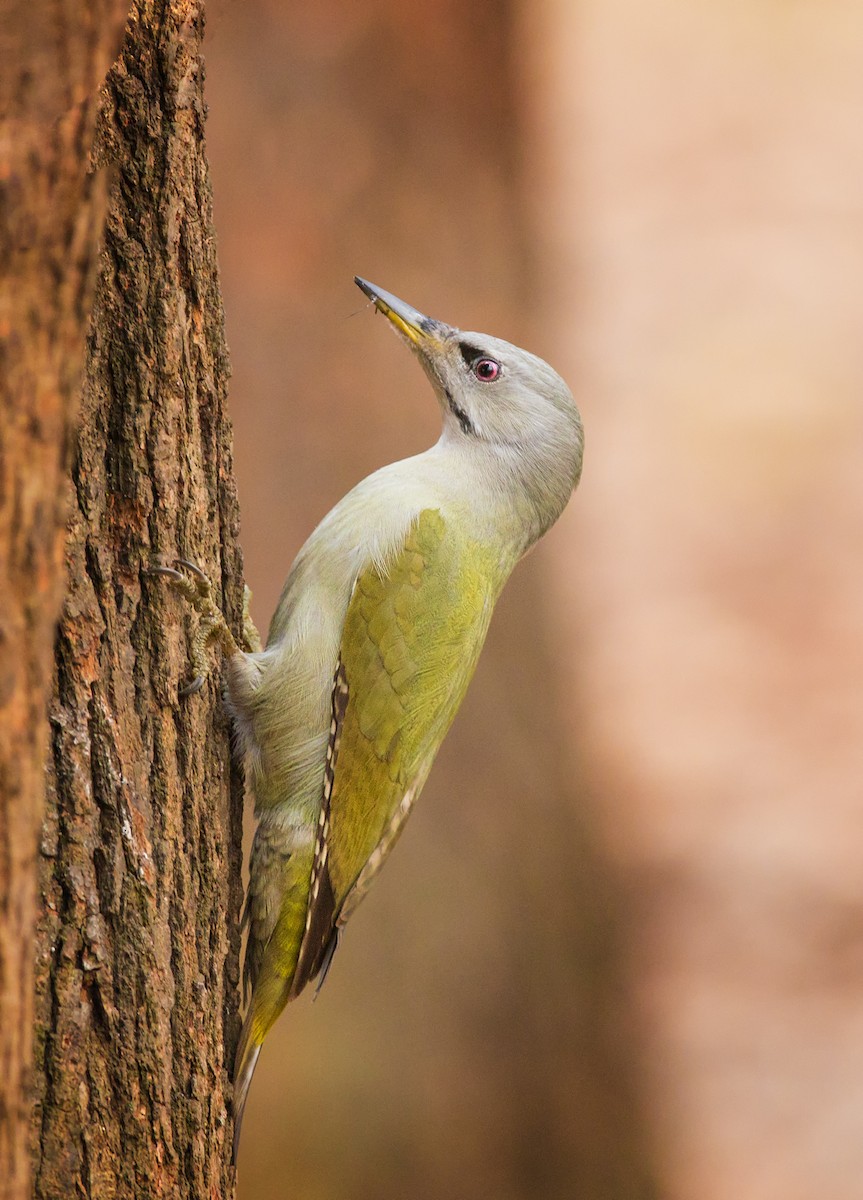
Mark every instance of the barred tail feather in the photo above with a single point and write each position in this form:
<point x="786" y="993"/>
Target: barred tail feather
<point x="244" y="1068"/>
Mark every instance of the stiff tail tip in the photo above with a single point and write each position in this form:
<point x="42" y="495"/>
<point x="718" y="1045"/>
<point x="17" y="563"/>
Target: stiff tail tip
<point x="244" y="1068"/>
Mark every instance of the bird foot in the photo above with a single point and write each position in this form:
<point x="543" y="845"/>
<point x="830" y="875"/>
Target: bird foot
<point x="195" y="587"/>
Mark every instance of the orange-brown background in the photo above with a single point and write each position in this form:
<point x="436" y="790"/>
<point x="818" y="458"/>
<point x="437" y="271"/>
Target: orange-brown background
<point x="620" y="948"/>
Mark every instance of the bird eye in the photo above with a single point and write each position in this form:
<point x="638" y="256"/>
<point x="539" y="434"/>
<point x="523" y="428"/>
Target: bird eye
<point x="486" y="369"/>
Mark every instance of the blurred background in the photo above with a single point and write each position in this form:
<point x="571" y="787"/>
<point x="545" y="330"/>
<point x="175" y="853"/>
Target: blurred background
<point x="619" y="950"/>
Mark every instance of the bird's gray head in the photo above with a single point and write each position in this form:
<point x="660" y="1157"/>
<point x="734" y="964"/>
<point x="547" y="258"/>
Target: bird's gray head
<point x="497" y="398"/>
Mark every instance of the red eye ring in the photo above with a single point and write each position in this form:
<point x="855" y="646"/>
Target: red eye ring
<point x="486" y="370"/>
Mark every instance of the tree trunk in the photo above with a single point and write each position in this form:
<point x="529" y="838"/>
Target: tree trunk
<point x="138" y="938"/>
<point x="51" y="215"/>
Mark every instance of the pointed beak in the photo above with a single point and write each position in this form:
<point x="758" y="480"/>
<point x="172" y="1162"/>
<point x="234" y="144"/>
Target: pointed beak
<point x="423" y="332"/>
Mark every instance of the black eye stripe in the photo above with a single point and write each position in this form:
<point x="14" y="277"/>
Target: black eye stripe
<point x="469" y="353"/>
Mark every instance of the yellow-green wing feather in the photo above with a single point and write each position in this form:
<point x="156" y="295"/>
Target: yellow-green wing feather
<point x="411" y="640"/>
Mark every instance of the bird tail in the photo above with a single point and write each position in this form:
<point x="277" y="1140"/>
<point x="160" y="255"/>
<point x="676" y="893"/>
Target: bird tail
<point x="244" y="1068"/>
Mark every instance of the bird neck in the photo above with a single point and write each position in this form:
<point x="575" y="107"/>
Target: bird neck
<point x="505" y="494"/>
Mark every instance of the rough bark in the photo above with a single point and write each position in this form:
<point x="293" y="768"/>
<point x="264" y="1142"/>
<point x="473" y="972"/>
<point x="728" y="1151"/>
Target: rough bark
<point x="51" y="213"/>
<point x="140" y="854"/>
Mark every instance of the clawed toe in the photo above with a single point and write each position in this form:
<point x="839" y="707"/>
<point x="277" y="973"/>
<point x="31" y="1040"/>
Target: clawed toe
<point x="194" y="568"/>
<point x="198" y="590"/>
<point x="192" y="688"/>
<point x="168" y="572"/>
<point x="211" y="628"/>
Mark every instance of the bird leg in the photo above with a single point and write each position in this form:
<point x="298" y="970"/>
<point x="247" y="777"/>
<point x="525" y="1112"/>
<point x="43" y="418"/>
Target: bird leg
<point x="195" y="587"/>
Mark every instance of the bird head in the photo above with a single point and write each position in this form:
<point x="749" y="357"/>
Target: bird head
<point x="504" y="402"/>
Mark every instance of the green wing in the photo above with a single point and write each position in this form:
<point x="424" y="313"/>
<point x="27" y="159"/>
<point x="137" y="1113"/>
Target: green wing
<point x="411" y="640"/>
